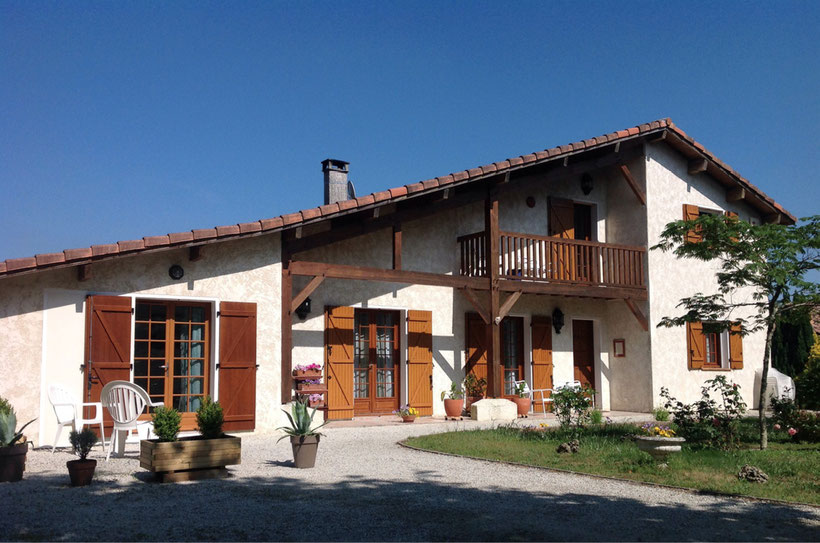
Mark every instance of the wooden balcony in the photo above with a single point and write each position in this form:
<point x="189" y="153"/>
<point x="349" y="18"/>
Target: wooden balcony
<point x="530" y="258"/>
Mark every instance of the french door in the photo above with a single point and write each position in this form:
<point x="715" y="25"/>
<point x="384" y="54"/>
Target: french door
<point x="512" y="353"/>
<point x="376" y="362"/>
<point x="172" y="347"/>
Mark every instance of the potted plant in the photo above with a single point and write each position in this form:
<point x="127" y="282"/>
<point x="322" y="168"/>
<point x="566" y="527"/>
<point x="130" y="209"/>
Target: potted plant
<point x="475" y="388"/>
<point x="81" y="471"/>
<point x="522" y="400"/>
<point x="304" y="440"/>
<point x="13" y="446"/>
<point x="407" y="413"/>
<point x="196" y="457"/>
<point x="454" y="402"/>
<point x="310" y="371"/>
<point x="658" y="440"/>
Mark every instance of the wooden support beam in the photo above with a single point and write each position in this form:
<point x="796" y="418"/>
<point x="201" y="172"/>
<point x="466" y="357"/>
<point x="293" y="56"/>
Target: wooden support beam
<point x="508" y="304"/>
<point x="305" y="292"/>
<point x="341" y="271"/>
<point x="774" y="218"/>
<point x="632" y="183"/>
<point x="397" y="246"/>
<point x="735" y="194"/>
<point x="495" y="379"/>
<point x="657" y="138"/>
<point x="287" y="327"/>
<point x="638" y="314"/>
<point x="84" y="272"/>
<point x="568" y="289"/>
<point x="478" y="306"/>
<point x="195" y="253"/>
<point x="618" y="147"/>
<point x="298" y="232"/>
<point x="698" y="165"/>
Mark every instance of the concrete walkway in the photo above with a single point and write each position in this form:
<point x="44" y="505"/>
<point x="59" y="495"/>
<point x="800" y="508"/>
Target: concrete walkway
<point x="365" y="487"/>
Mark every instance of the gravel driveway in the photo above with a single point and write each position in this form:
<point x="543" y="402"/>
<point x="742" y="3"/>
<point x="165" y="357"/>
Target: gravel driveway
<point x="366" y="487"/>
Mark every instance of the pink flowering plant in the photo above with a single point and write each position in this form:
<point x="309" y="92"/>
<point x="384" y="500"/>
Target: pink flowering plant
<point x="307" y="367"/>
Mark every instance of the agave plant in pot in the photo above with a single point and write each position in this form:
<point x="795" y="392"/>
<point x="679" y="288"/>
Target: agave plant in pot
<point x="454" y="402"/>
<point x="81" y="471"/>
<point x="304" y="440"/>
<point x="13" y="445"/>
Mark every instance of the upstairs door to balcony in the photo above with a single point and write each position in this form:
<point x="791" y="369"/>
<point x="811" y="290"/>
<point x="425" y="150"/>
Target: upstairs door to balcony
<point x="572" y="220"/>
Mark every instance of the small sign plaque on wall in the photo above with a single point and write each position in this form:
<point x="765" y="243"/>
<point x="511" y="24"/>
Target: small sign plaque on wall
<point x="619" y="348"/>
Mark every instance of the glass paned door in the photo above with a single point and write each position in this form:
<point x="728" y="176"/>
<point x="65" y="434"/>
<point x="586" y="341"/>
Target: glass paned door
<point x="376" y="371"/>
<point x="172" y="354"/>
<point x="512" y="352"/>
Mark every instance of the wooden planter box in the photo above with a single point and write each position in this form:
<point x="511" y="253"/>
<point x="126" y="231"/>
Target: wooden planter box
<point x="305" y="389"/>
<point x="307" y="374"/>
<point x="190" y="458"/>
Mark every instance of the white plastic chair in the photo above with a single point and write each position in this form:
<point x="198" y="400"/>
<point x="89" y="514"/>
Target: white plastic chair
<point x="125" y="402"/>
<point x="70" y="413"/>
<point x="541" y="392"/>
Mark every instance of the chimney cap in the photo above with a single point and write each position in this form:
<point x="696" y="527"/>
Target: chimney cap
<point x="334" y="164"/>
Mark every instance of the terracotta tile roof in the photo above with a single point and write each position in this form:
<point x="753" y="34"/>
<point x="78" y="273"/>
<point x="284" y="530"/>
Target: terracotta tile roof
<point x="97" y="252"/>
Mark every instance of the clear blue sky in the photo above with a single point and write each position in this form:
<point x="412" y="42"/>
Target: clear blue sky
<point x="125" y="119"/>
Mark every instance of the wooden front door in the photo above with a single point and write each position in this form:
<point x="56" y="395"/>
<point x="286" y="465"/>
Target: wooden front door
<point x="583" y="352"/>
<point x="512" y="353"/>
<point x="172" y="354"/>
<point x="376" y="362"/>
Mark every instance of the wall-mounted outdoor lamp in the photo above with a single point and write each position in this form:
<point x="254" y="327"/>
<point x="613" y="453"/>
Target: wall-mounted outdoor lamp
<point x="586" y="184"/>
<point x="557" y="319"/>
<point x="303" y="310"/>
<point x="176" y="272"/>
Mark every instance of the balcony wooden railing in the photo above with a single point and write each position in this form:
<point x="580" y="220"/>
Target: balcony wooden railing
<point x="552" y="259"/>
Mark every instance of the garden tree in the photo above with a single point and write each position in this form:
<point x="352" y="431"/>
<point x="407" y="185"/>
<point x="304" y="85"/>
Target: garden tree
<point x="808" y="382"/>
<point x="792" y="341"/>
<point x="758" y="266"/>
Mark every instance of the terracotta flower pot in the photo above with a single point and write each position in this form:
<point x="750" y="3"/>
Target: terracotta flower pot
<point x="304" y="450"/>
<point x="12" y="462"/>
<point x="408" y="418"/>
<point x="81" y="472"/>
<point x="523" y="405"/>
<point x="453" y="407"/>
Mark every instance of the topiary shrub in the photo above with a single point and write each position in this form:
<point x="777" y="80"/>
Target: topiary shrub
<point x="166" y="423"/>
<point x="209" y="419"/>
<point x="81" y="442"/>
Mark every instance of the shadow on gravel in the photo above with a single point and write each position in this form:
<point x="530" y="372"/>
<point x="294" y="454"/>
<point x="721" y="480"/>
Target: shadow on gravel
<point x="281" y="508"/>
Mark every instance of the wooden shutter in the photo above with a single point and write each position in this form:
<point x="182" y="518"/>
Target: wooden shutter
<point x="339" y="361"/>
<point x="420" y="361"/>
<point x="561" y="218"/>
<point x="731" y="215"/>
<point x="237" y="365"/>
<point x="697" y="345"/>
<point x="541" y="356"/>
<point x="735" y="348"/>
<point x="690" y="213"/>
<point x="107" y="346"/>
<point x="476" y="338"/>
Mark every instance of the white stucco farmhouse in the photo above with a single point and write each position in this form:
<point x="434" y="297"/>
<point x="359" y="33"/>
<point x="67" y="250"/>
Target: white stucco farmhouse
<point x="536" y="268"/>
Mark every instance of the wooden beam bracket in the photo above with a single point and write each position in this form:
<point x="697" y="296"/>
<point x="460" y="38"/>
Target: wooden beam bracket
<point x="469" y="294"/>
<point x="84" y="272"/>
<point x="638" y="314"/>
<point x="507" y="306"/>
<point x="195" y="253"/>
<point x="305" y="292"/>
<point x="736" y="194"/>
<point x="698" y="165"/>
<point x="627" y="175"/>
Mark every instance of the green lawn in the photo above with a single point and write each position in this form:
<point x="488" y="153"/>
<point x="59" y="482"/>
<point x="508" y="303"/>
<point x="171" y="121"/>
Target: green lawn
<point x="793" y="469"/>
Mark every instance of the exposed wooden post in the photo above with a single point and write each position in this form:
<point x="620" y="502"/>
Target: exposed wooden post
<point x="287" y="326"/>
<point x="397" y="246"/>
<point x="83" y="272"/>
<point x="638" y="314"/>
<point x="495" y="377"/>
<point x="774" y="218"/>
<point x="632" y="184"/>
<point x="736" y="194"/>
<point x="195" y="253"/>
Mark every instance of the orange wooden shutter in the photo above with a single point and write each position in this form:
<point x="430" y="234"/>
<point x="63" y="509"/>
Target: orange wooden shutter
<point x="107" y="346"/>
<point x="339" y="361"/>
<point x="690" y="213"/>
<point x="735" y="348"/>
<point x="541" y="356"/>
<point x="476" y="337"/>
<point x="237" y="365"/>
<point x="697" y="345"/>
<point x="420" y="361"/>
<point x="561" y="218"/>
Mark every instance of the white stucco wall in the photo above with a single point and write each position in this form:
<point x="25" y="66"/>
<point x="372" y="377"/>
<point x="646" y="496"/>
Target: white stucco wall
<point x="42" y="318"/>
<point x="670" y="279"/>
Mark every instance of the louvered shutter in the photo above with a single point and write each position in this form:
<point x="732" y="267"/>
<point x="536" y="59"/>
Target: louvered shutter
<point x="339" y="361"/>
<point x="735" y="348"/>
<point x="541" y="357"/>
<point x="420" y="361"/>
<point x="237" y="365"/>
<point x="476" y="337"/>
<point x="107" y="346"/>
<point x="691" y="213"/>
<point x="697" y="345"/>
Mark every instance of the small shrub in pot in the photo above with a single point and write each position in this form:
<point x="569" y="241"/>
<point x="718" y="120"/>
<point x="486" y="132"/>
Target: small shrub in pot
<point x="167" y="422"/>
<point x="81" y="471"/>
<point x="209" y="419"/>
